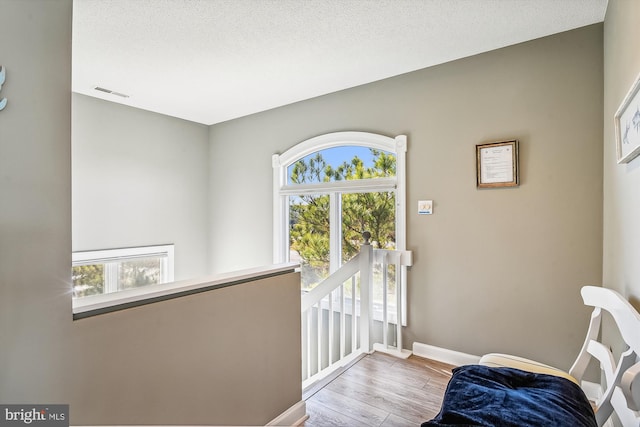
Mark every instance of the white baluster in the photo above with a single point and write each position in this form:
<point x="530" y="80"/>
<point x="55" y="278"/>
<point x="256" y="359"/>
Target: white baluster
<point x="399" y="281"/>
<point x="385" y="306"/>
<point x="330" y="354"/>
<point x="366" y="303"/>
<point x="319" y="335"/>
<point x="308" y="340"/>
<point x="342" y="322"/>
<point x="361" y="311"/>
<point x="354" y="319"/>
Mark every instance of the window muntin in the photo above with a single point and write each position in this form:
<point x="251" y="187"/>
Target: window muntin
<point x="311" y="245"/>
<point x="113" y="270"/>
<point x="285" y="190"/>
<point x="313" y="218"/>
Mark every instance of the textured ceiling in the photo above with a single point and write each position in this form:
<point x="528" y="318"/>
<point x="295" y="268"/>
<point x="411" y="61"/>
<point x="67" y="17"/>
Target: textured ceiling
<point x="210" y="61"/>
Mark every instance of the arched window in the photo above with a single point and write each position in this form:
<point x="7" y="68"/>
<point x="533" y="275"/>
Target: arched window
<point x="331" y="188"/>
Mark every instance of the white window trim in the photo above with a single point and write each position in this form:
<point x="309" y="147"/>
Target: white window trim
<point x="105" y="303"/>
<point x="348" y="186"/>
<point x="281" y="189"/>
<point x="281" y="162"/>
<point x="82" y="257"/>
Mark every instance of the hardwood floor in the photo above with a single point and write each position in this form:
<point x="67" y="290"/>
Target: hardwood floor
<point x="381" y="390"/>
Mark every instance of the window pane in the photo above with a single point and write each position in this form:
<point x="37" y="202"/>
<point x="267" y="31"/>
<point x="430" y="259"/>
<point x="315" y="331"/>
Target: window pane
<point x="111" y="270"/>
<point x="309" y="237"/>
<point x="342" y="163"/>
<point x="378" y="289"/>
<point x="372" y="212"/>
<point x="139" y="272"/>
<point x="375" y="213"/>
<point x="87" y="280"/>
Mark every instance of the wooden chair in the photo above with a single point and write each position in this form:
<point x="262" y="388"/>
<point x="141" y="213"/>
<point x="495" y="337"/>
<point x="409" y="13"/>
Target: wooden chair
<point x="622" y="379"/>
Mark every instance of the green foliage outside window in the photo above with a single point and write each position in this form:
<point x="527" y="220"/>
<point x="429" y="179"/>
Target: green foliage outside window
<point x="87" y="280"/>
<point x="92" y="279"/>
<point x="373" y="212"/>
<point x="139" y="272"/>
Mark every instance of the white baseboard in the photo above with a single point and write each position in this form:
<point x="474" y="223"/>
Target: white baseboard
<point x="401" y="354"/>
<point x="294" y="416"/>
<point x="444" y="355"/>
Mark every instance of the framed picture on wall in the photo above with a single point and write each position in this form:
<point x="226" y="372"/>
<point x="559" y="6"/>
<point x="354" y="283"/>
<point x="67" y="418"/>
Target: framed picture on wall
<point x="627" y="125"/>
<point x="497" y="164"/>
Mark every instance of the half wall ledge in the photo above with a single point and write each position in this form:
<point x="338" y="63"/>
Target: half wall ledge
<point x="106" y="303"/>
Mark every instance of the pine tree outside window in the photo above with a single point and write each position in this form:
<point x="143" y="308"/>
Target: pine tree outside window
<point x="330" y="189"/>
<point x="113" y="270"/>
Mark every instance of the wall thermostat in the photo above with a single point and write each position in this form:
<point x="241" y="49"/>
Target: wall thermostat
<point x="425" y="207"/>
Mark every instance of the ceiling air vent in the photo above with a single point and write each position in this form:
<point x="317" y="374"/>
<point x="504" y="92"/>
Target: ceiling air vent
<point x="101" y="89"/>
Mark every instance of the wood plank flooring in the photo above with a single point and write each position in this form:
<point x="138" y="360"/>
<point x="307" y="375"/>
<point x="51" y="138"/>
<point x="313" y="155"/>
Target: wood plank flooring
<point x="381" y="391"/>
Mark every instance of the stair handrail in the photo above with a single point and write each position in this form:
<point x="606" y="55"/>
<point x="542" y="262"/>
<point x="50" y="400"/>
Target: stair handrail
<point x="361" y="263"/>
<point x="331" y="283"/>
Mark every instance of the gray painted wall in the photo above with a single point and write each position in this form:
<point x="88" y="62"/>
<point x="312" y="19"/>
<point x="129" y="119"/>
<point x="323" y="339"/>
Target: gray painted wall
<point x="230" y="356"/>
<point x="621" y="269"/>
<point x="174" y="362"/>
<point x="494" y="270"/>
<point x="140" y="179"/>
<point x="35" y="201"/>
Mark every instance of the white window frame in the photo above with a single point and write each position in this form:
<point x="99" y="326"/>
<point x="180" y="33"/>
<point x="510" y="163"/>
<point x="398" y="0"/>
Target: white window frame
<point x="112" y="257"/>
<point x="282" y="190"/>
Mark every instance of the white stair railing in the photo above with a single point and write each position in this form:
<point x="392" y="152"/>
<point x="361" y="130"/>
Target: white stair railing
<point x="338" y="314"/>
<point x="400" y="260"/>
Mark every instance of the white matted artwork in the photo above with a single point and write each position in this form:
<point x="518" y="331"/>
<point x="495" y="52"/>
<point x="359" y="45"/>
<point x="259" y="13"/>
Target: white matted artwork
<point x="497" y="164"/>
<point x="627" y="125"/>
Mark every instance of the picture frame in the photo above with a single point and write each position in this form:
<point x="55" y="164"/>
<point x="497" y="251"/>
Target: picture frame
<point x="627" y="125"/>
<point x="3" y="101"/>
<point x="497" y="164"/>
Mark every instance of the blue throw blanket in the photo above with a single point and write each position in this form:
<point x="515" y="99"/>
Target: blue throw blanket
<point x="483" y="396"/>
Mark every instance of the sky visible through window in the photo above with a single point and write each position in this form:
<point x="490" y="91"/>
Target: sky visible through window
<point x="338" y="155"/>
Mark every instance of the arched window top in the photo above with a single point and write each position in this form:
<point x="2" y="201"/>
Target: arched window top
<point x="283" y="189"/>
<point x="339" y="139"/>
<point x="347" y="162"/>
<point x="331" y="199"/>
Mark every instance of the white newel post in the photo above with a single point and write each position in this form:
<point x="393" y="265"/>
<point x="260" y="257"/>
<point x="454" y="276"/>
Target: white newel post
<point x="400" y="272"/>
<point x="366" y="291"/>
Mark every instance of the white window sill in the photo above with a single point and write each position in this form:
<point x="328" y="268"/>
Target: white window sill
<point x="105" y="303"/>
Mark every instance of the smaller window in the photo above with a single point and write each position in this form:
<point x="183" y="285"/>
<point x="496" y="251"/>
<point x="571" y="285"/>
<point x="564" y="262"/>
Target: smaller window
<point x="112" y="270"/>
